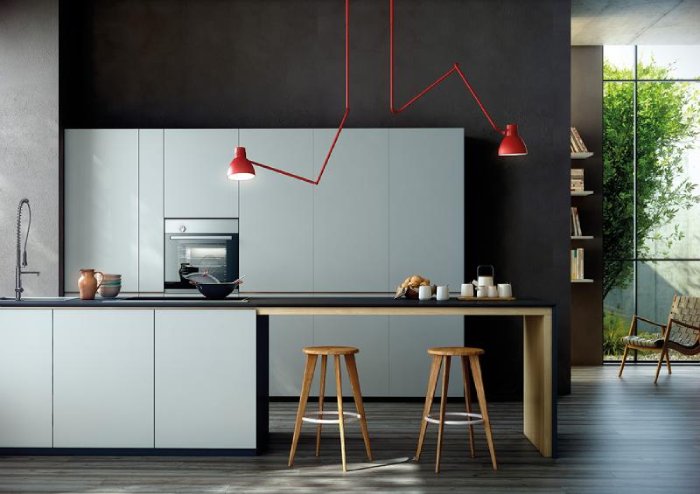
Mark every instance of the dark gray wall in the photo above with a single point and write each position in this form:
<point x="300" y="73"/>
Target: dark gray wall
<point x="29" y="139"/>
<point x="279" y="63"/>
<point x="587" y="117"/>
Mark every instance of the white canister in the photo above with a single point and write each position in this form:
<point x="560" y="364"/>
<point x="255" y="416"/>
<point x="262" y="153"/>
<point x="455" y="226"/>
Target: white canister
<point x="425" y="292"/>
<point x="443" y="292"/>
<point x="467" y="290"/>
<point x="505" y="290"/>
<point x="485" y="280"/>
<point x="493" y="291"/>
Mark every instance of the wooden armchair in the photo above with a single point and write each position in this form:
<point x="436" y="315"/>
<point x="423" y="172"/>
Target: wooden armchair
<point x="681" y="333"/>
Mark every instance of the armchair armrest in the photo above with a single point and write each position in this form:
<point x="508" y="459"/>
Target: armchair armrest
<point x="639" y="318"/>
<point x="684" y="324"/>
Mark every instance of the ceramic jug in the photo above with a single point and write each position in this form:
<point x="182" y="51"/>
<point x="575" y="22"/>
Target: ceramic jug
<point x="87" y="284"/>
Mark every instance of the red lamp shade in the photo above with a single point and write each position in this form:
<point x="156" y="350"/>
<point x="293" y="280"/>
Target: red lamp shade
<point x="241" y="168"/>
<point x="512" y="144"/>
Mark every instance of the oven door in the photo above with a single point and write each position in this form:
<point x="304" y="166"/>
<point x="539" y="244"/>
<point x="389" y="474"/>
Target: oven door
<point x="215" y="253"/>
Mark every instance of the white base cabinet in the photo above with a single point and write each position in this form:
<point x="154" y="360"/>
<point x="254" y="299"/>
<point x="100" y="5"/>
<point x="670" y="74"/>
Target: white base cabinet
<point x="103" y="379"/>
<point x="25" y="379"/>
<point x="205" y="379"/>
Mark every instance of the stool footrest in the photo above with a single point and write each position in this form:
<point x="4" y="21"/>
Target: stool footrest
<point x="318" y="417"/>
<point x="472" y="418"/>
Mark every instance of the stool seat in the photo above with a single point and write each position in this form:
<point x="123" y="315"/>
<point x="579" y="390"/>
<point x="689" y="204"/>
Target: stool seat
<point x="454" y="351"/>
<point x="330" y="350"/>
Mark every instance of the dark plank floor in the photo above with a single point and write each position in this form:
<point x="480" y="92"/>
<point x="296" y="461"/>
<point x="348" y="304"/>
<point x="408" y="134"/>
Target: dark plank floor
<point x="615" y="436"/>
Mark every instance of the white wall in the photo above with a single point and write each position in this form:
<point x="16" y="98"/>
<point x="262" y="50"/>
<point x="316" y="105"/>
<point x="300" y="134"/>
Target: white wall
<point x="29" y="138"/>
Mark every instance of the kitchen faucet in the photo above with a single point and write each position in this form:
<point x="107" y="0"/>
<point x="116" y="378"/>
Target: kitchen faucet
<point x="22" y="259"/>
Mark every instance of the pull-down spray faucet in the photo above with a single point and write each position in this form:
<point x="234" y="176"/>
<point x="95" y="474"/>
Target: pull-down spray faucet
<point x="22" y="257"/>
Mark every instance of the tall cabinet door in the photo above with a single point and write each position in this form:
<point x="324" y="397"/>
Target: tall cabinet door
<point x="25" y="379"/>
<point x="276" y="242"/>
<point x="101" y="204"/>
<point x="151" y="224"/>
<point x="351" y="216"/>
<point x="196" y="185"/>
<point x="426" y="212"/>
<point x="103" y="378"/>
<point x="205" y="384"/>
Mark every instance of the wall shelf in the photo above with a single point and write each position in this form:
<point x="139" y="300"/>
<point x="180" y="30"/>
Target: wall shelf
<point x="582" y="237"/>
<point x="581" y="156"/>
<point x="583" y="280"/>
<point x="579" y="193"/>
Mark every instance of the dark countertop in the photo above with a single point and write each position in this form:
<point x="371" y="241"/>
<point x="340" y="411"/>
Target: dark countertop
<point x="252" y="302"/>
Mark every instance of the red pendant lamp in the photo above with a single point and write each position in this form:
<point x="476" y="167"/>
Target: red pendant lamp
<point x="241" y="168"/>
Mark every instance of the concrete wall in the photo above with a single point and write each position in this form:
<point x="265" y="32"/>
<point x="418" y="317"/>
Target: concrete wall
<point x="29" y="144"/>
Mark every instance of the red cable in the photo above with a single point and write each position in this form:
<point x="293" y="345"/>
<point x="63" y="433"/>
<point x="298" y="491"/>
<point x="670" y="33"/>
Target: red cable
<point x="343" y="119"/>
<point x="432" y="85"/>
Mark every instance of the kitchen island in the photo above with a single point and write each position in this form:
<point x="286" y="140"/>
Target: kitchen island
<point x="185" y="374"/>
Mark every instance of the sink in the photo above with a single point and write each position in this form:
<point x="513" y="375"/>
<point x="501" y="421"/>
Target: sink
<point x="40" y="299"/>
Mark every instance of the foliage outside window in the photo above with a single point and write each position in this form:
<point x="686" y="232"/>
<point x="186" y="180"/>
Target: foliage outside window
<point x="651" y="211"/>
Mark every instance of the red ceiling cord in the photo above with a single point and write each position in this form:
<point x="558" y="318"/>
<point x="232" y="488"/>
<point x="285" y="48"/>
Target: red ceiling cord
<point x="241" y="168"/>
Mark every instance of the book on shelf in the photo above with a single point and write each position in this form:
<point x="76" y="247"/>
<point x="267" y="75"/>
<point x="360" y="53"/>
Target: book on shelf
<point x="576" y="143"/>
<point x="577" y="264"/>
<point x="575" y="223"/>
<point x="577" y="180"/>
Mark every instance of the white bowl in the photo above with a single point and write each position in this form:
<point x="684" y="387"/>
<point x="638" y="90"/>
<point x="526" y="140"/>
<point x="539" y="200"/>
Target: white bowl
<point x="108" y="291"/>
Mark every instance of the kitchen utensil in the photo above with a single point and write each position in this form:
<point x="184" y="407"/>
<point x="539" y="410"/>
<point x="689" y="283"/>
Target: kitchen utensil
<point x="467" y="290"/>
<point x="109" y="291"/>
<point x="482" y="292"/>
<point x="485" y="280"/>
<point x="217" y="289"/>
<point x="492" y="291"/>
<point x="87" y="283"/>
<point x="505" y="290"/>
<point x="425" y="292"/>
<point x="443" y="292"/>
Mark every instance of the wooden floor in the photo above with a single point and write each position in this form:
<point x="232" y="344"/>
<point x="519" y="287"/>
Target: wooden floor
<point x="601" y="451"/>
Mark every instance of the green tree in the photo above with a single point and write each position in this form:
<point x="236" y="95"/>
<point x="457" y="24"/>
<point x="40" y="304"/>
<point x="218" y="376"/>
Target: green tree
<point x="667" y="124"/>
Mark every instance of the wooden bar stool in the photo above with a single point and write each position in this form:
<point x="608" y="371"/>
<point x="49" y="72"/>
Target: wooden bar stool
<point x="312" y="354"/>
<point x="443" y="355"/>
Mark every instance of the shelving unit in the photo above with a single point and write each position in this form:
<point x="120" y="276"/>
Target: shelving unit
<point x="581" y="193"/>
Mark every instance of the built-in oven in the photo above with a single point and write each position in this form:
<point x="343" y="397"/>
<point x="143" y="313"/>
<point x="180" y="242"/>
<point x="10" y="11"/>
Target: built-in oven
<point x="200" y="245"/>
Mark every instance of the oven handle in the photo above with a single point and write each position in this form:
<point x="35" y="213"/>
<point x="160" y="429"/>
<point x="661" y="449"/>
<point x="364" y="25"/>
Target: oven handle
<point x="201" y="237"/>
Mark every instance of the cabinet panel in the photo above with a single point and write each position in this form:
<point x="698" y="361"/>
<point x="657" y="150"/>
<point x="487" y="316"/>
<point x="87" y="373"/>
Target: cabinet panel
<point x="25" y="378"/>
<point x="370" y="334"/>
<point x="426" y="204"/>
<point x="288" y="335"/>
<point x="103" y="378"/>
<point x="151" y="210"/>
<point x="101" y="204"/>
<point x="196" y="185"/>
<point x="276" y="246"/>
<point x="409" y="363"/>
<point x="205" y="379"/>
<point x="351" y="220"/>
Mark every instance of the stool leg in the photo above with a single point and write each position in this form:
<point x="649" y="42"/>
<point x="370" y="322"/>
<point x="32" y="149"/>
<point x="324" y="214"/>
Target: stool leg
<point x="305" y="388"/>
<point x="429" y="395"/>
<point x="443" y="404"/>
<point x="341" y="421"/>
<point x="321" y="392"/>
<point x="468" y="400"/>
<point x="481" y="395"/>
<point x="359" y="405"/>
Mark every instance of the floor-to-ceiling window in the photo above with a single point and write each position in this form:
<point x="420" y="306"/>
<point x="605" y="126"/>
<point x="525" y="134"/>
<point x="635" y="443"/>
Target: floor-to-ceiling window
<point x="651" y="204"/>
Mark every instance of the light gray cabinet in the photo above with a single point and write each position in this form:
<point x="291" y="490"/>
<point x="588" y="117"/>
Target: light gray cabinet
<point x="409" y="363"/>
<point x="370" y="334"/>
<point x="101" y="204"/>
<point x="103" y="378"/>
<point x="426" y="237"/>
<point x="151" y="255"/>
<point x="196" y="185"/>
<point x="276" y="240"/>
<point x="426" y="205"/>
<point x="288" y="336"/>
<point x="351" y="212"/>
<point x="25" y="379"/>
<point x="205" y="379"/>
